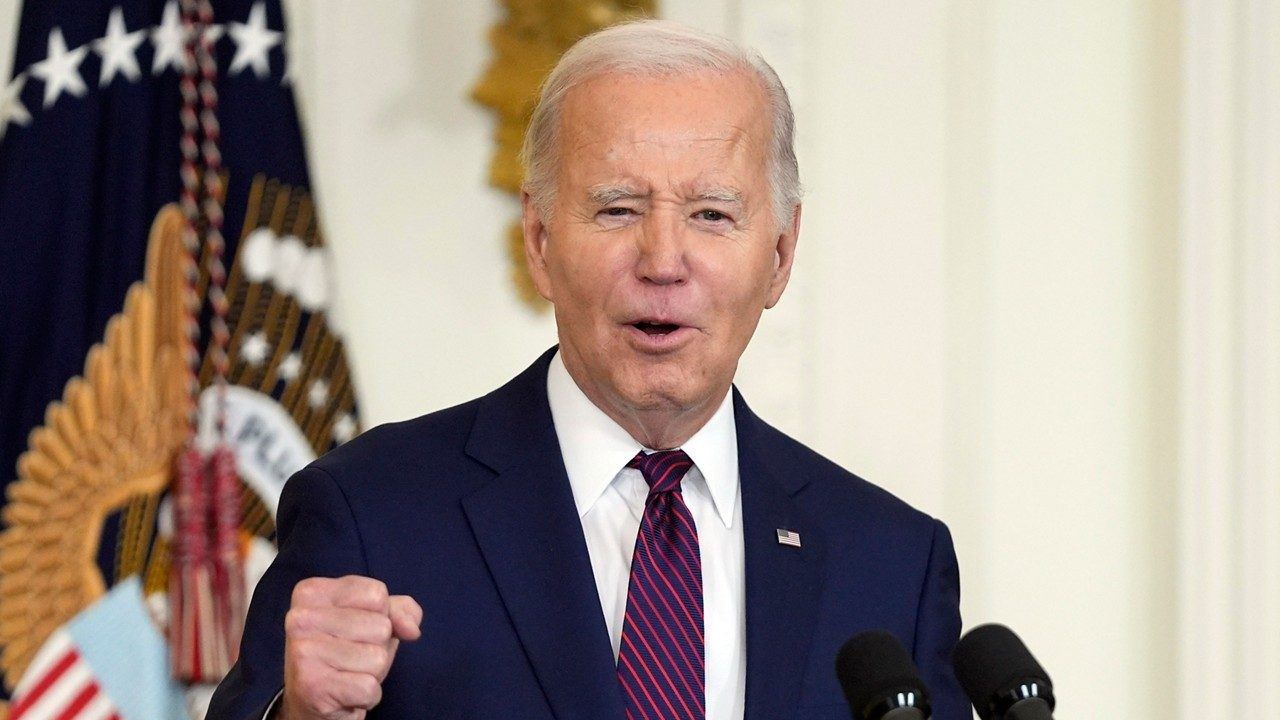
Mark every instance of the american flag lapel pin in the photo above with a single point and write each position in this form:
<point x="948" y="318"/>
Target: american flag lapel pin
<point x="788" y="537"/>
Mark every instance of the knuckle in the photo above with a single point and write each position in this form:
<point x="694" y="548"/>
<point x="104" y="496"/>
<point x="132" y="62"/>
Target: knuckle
<point x="365" y="590"/>
<point x="376" y="592"/>
<point x="306" y="591"/>
<point x="401" y="605"/>
<point x="383" y="627"/>
<point x="300" y="593"/>
<point x="369" y="688"/>
<point x="298" y="620"/>
<point x="303" y="651"/>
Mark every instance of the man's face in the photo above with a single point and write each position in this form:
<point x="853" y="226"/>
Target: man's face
<point x="661" y="250"/>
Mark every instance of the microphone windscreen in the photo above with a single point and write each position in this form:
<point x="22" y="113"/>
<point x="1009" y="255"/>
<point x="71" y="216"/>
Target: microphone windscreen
<point x="872" y="665"/>
<point x="989" y="661"/>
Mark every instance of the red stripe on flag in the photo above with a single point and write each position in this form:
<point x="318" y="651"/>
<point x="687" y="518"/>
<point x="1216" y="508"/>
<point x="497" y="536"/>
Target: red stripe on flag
<point x="24" y="704"/>
<point x="82" y="699"/>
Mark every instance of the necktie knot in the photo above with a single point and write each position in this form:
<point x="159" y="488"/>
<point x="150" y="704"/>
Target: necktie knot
<point x="663" y="470"/>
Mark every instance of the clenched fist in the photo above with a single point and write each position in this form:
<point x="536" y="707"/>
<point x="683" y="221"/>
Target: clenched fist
<point x="341" y="636"/>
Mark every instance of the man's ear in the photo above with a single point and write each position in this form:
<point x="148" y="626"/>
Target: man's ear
<point x="535" y="245"/>
<point x="785" y="255"/>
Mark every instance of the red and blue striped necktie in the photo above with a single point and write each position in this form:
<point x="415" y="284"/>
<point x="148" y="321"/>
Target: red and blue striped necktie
<point x="661" y="662"/>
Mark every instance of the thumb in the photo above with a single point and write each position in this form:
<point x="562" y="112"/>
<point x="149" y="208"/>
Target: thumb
<point x="406" y="617"/>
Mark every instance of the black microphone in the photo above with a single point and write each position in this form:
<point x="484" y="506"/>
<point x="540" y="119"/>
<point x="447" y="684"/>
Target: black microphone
<point x="1001" y="677"/>
<point x="879" y="680"/>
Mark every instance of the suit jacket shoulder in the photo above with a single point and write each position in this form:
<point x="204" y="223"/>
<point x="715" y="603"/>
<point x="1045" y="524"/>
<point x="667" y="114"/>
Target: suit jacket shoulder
<point x="409" y="451"/>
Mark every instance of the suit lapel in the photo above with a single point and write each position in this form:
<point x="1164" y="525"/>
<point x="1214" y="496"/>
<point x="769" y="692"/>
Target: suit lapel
<point x="783" y="583"/>
<point x="527" y="527"/>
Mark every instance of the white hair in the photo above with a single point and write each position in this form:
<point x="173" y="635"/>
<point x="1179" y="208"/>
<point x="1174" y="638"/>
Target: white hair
<point x="657" y="48"/>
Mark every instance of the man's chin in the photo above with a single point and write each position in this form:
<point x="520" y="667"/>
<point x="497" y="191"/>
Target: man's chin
<point x="647" y="396"/>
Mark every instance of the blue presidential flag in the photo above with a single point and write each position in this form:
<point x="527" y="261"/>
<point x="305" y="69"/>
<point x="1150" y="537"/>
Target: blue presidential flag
<point x="97" y="277"/>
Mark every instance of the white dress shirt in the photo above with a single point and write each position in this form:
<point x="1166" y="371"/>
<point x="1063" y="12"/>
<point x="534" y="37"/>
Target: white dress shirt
<point x="610" y="499"/>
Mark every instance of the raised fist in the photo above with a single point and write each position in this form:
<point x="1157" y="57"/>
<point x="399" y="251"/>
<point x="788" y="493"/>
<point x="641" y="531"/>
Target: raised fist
<point x="341" y="637"/>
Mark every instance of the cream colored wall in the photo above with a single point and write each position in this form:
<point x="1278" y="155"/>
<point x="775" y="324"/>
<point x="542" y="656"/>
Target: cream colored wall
<point x="8" y="29"/>
<point x="1229" y="374"/>
<point x="982" y="316"/>
<point x="1060" y="308"/>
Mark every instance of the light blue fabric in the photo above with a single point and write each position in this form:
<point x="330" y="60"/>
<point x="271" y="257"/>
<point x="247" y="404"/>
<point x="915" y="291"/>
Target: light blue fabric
<point x="128" y="655"/>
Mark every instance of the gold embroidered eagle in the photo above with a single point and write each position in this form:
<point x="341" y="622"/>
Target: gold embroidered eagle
<point x="102" y="460"/>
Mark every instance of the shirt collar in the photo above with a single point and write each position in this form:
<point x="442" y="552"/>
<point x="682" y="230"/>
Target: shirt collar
<point x="595" y="448"/>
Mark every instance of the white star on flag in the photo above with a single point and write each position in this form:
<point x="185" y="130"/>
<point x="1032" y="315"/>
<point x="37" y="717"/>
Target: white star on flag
<point x="212" y="33"/>
<point x="344" y="428"/>
<point x="290" y="367"/>
<point x="318" y="395"/>
<point x="169" y="38"/>
<point x="254" y="349"/>
<point x="253" y="42"/>
<point x="11" y="107"/>
<point x="60" y="70"/>
<point x="117" y="49"/>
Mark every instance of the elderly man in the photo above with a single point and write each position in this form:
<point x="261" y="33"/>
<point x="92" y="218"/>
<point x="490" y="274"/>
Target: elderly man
<point x="612" y="534"/>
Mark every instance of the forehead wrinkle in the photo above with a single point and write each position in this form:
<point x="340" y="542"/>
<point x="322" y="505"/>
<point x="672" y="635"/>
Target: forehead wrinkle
<point x="592" y="139"/>
<point x="612" y="151"/>
<point x="670" y="143"/>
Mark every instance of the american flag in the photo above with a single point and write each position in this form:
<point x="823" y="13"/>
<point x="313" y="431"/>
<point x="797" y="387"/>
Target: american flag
<point x="90" y="152"/>
<point x="788" y="537"/>
<point x="61" y="684"/>
<point x="109" y="662"/>
<point x="92" y="134"/>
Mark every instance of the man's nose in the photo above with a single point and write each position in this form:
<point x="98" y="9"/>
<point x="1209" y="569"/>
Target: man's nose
<point x="662" y="257"/>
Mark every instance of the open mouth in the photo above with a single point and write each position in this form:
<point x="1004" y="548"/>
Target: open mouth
<point x="656" y="329"/>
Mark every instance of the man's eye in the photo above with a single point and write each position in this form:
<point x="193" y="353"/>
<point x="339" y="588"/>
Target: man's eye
<point x="616" y="211"/>
<point x="711" y="215"/>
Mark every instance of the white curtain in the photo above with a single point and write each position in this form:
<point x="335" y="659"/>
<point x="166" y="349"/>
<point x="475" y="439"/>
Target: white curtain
<point x="1229" y="501"/>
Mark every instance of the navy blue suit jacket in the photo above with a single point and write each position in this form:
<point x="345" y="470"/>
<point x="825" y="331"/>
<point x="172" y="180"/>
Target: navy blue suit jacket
<point x="469" y="511"/>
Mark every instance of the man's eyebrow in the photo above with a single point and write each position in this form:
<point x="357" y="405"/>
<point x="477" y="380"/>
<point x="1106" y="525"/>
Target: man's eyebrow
<point x="609" y="194"/>
<point x="720" y="194"/>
